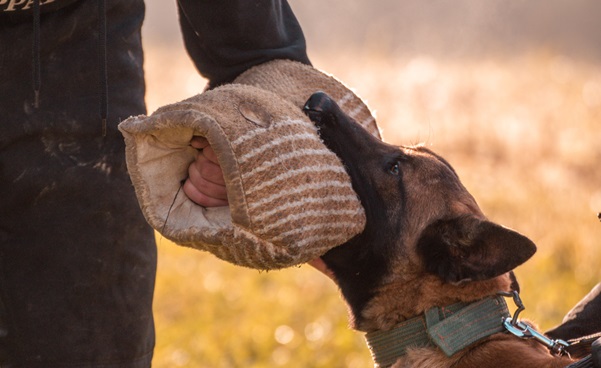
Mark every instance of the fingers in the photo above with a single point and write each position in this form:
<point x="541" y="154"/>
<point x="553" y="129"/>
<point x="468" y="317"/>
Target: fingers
<point x="203" y="171"/>
<point x="199" y="142"/>
<point x="205" y="184"/>
<point x="202" y="144"/>
<point x="201" y="198"/>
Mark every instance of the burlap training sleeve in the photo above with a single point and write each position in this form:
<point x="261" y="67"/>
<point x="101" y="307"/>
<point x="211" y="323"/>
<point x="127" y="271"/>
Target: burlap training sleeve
<point x="290" y="199"/>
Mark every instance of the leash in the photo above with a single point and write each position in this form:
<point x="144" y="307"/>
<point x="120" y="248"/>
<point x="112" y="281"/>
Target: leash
<point x="556" y="346"/>
<point x="584" y="345"/>
<point x="586" y="362"/>
<point x="592" y="360"/>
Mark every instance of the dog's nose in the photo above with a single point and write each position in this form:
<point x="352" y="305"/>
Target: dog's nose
<point x="318" y="104"/>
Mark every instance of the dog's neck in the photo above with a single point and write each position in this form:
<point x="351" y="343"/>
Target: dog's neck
<point x="398" y="301"/>
<point x="449" y="329"/>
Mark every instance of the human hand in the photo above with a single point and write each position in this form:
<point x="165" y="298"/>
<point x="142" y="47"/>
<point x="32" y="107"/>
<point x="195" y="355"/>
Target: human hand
<point x="205" y="184"/>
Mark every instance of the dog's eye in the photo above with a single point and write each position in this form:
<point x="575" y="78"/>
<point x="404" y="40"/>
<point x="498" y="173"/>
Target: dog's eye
<point x="395" y="169"/>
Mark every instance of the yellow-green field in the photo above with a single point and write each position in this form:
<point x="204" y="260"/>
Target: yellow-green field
<point x="524" y="134"/>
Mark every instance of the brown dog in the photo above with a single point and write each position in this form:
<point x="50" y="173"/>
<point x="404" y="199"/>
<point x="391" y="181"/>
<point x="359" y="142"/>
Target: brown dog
<point x="428" y="263"/>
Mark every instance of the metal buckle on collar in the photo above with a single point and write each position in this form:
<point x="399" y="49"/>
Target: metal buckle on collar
<point x="524" y="331"/>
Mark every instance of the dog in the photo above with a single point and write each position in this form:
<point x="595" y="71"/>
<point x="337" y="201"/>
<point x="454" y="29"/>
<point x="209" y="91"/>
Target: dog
<point x="426" y="253"/>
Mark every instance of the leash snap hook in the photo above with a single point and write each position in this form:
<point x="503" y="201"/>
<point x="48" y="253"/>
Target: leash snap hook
<point x="525" y="331"/>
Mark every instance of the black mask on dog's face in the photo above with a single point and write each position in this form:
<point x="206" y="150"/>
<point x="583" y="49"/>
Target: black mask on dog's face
<point x="360" y="264"/>
<point x="373" y="165"/>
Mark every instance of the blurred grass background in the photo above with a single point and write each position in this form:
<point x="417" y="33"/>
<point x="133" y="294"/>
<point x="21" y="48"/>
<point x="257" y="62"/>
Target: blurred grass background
<point x="509" y="93"/>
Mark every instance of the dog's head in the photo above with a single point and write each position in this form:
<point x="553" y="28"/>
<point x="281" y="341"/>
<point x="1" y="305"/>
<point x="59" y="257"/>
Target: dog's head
<point x="425" y="233"/>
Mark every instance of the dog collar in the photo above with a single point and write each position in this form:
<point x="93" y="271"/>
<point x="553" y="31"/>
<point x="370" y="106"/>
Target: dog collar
<point x="451" y="328"/>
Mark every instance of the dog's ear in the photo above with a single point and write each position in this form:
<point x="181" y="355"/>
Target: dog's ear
<point x="466" y="248"/>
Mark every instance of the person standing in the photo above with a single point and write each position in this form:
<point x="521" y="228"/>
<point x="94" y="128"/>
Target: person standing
<point x="77" y="259"/>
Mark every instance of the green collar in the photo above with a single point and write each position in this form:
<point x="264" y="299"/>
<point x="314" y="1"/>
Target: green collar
<point x="451" y="328"/>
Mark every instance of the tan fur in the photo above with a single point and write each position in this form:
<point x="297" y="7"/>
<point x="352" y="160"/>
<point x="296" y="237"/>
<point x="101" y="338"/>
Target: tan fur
<point x="398" y="302"/>
<point x="500" y="351"/>
<point x="426" y="244"/>
<point x="433" y="193"/>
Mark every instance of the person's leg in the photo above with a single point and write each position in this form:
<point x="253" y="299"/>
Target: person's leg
<point x="77" y="259"/>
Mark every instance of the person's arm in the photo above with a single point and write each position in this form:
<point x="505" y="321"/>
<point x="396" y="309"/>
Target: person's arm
<point x="224" y="38"/>
<point x="582" y="320"/>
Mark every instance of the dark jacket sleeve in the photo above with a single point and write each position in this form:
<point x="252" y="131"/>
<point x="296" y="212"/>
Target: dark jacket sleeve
<point x="226" y="37"/>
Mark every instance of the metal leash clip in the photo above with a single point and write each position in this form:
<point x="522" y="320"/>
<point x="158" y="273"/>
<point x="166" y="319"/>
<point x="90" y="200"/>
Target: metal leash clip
<point x="524" y="331"/>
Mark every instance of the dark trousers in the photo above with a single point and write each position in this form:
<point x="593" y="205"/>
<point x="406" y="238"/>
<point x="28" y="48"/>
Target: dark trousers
<point x="77" y="259"/>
